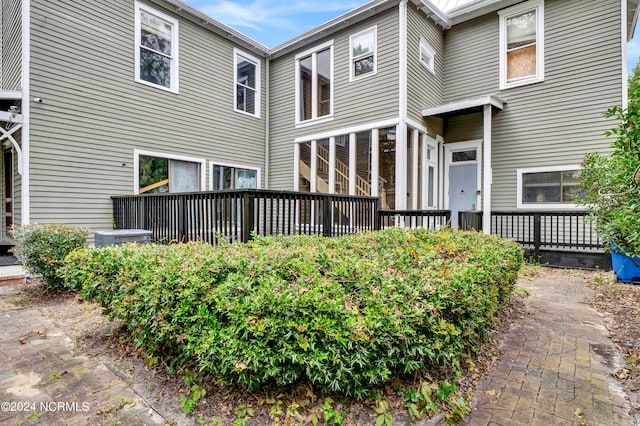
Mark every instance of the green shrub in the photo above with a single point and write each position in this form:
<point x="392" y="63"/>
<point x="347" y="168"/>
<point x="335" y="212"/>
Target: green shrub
<point x="346" y="313"/>
<point x="42" y="249"/>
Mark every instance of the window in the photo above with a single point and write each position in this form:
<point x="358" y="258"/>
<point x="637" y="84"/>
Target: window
<point x="427" y="56"/>
<point x="225" y="176"/>
<point x="362" y="50"/>
<point x="522" y="44"/>
<point x="314" y="89"/>
<point x="160" y="173"/>
<point x="156" y="50"/>
<point x="247" y="88"/>
<point x="548" y="186"/>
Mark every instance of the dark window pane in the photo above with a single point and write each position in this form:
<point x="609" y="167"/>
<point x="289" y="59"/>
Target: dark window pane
<point x="155" y="68"/>
<point x="542" y="194"/>
<point x="153" y="175"/>
<point x="470" y="155"/>
<point x="363" y="66"/>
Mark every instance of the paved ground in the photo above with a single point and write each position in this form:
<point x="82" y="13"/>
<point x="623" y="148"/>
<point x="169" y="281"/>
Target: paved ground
<point x="555" y="369"/>
<point x="42" y="380"/>
<point x="557" y="363"/>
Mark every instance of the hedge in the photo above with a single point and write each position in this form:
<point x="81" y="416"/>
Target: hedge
<point x="347" y="314"/>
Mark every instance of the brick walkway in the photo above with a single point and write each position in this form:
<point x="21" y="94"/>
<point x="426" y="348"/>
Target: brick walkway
<point x="555" y="369"/>
<point x="557" y="363"/>
<point x="43" y="382"/>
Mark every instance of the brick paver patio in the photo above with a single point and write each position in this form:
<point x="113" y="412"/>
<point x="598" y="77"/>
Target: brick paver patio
<point x="557" y="363"/>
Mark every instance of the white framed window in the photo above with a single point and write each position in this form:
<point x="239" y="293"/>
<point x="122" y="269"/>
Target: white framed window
<point x="427" y="56"/>
<point x="156" y="172"/>
<point x="247" y="83"/>
<point x="522" y="44"/>
<point x="314" y="84"/>
<point x="548" y="187"/>
<point x="156" y="48"/>
<point x="232" y="176"/>
<point x="363" y="53"/>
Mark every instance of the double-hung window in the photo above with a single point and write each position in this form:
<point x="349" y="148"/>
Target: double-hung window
<point x="522" y="44"/>
<point x="156" y="49"/>
<point x="247" y="86"/>
<point x="314" y="83"/>
<point x="363" y="53"/>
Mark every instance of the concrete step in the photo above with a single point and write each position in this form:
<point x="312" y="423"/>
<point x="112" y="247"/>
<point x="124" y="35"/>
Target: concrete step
<point x="12" y="275"/>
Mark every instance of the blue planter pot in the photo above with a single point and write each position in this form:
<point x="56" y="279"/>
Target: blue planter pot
<point x="627" y="269"/>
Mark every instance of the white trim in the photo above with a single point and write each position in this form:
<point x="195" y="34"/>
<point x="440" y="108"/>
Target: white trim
<point x="375" y="161"/>
<point x="296" y="167"/>
<point x="136" y="165"/>
<point x="313" y="52"/>
<point x="352" y="76"/>
<point x="449" y="148"/>
<point x="25" y="197"/>
<point x="414" y="124"/>
<point x="425" y="47"/>
<point x="465" y="104"/>
<point x="10" y="94"/>
<point x="505" y="14"/>
<point x="415" y="168"/>
<point x="544" y="206"/>
<point x="347" y="130"/>
<point x="353" y="169"/>
<point x="258" y="77"/>
<point x="332" y="165"/>
<point x="10" y="117"/>
<point x="313" y="164"/>
<point x="213" y="163"/>
<point x="487" y="180"/>
<point x="625" y="71"/>
<point x="140" y="7"/>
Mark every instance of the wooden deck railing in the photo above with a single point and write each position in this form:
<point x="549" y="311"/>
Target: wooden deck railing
<point x="236" y="214"/>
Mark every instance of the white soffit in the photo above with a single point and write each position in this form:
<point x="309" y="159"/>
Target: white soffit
<point x="461" y="107"/>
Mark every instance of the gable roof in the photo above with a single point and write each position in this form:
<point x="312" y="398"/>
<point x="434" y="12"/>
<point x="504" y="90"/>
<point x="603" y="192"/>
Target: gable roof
<point x="445" y="13"/>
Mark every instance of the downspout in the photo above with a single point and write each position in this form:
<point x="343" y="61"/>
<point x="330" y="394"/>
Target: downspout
<point x="401" y="132"/>
<point x="267" y="61"/>
<point x="26" y="109"/>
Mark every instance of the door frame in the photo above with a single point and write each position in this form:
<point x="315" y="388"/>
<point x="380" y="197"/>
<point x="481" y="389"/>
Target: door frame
<point x="449" y="149"/>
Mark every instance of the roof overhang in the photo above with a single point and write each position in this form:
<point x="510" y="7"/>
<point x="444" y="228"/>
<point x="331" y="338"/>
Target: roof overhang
<point x="330" y="27"/>
<point x="632" y="17"/>
<point x="466" y="106"/>
<point x="213" y="25"/>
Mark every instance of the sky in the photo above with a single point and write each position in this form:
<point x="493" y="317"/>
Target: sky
<point x="272" y="22"/>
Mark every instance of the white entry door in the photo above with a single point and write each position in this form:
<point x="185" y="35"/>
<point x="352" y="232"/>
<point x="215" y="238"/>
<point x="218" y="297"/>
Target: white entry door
<point x="462" y="178"/>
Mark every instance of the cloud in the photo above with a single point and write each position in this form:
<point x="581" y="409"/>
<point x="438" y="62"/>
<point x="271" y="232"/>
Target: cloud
<point x="273" y="14"/>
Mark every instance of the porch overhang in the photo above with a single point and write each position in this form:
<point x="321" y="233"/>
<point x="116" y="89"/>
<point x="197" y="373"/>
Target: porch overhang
<point x="466" y="106"/>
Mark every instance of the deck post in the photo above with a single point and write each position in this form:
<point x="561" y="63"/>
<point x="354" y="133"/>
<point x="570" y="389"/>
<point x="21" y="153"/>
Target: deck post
<point x="248" y="210"/>
<point x="327" y="207"/>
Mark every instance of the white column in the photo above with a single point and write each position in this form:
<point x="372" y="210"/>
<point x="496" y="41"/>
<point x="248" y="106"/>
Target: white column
<point x="401" y="166"/>
<point x="424" y="172"/>
<point x="415" y="166"/>
<point x="332" y="165"/>
<point x="296" y="167"/>
<point x="487" y="172"/>
<point x="352" y="163"/>
<point x="375" y="162"/>
<point x="314" y="166"/>
<point x="441" y="171"/>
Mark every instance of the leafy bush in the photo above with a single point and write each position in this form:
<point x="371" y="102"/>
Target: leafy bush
<point x="42" y="249"/>
<point x="608" y="185"/>
<point x="345" y="313"/>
